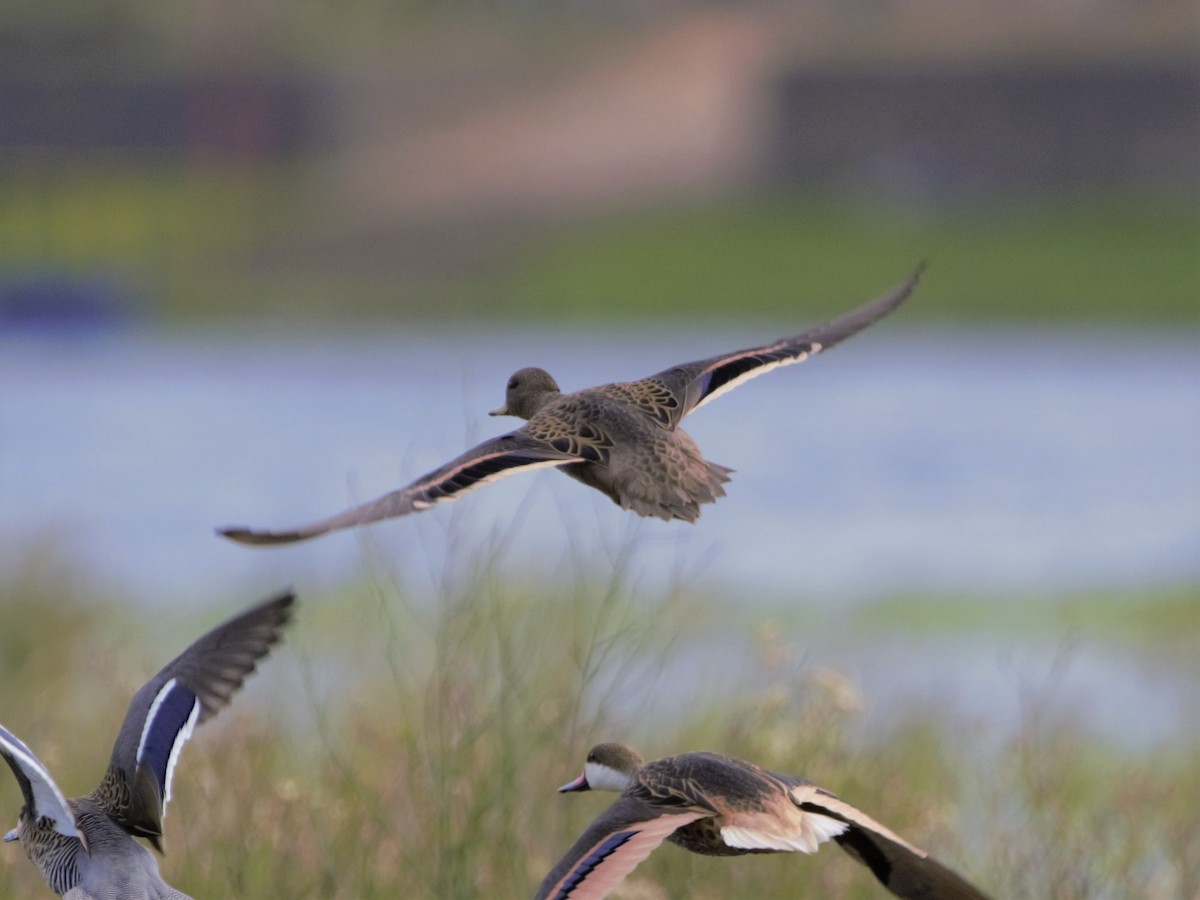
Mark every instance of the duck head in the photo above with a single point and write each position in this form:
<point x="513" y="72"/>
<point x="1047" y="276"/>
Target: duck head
<point x="528" y="391"/>
<point x="608" y="767"/>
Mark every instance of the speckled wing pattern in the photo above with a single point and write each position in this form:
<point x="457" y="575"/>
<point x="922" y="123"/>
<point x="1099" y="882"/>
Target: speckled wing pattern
<point x="38" y="791"/>
<point x="518" y="451"/>
<point x="188" y="691"/>
<point x="571" y="426"/>
<point x="612" y="847"/>
<point x="673" y="393"/>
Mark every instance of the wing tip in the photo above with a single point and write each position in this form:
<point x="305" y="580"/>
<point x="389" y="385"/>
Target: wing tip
<point x="278" y="609"/>
<point x="918" y="273"/>
<point x="248" y="537"/>
<point x="902" y="291"/>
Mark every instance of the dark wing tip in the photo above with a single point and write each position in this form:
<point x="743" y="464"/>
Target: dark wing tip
<point x="216" y="666"/>
<point x="904" y="289"/>
<point x="250" y="538"/>
<point x="279" y="607"/>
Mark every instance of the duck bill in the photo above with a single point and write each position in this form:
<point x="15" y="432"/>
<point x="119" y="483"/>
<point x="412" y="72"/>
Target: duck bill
<point x="499" y="411"/>
<point x="579" y="784"/>
<point x="11" y="836"/>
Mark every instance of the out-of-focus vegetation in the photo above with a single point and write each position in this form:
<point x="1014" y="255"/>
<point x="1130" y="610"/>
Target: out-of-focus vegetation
<point x="384" y="161"/>
<point x="207" y="243"/>
<point x="1060" y="261"/>
<point x="395" y="746"/>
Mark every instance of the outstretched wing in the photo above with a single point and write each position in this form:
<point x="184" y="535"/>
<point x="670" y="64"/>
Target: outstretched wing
<point x="189" y="690"/>
<point x="42" y="797"/>
<point x="611" y="847"/>
<point x="903" y="869"/>
<point x="490" y="461"/>
<point x="672" y="394"/>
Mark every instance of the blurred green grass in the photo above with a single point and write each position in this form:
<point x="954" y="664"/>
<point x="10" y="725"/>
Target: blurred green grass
<point x="399" y="745"/>
<point x="1163" y="617"/>
<point x="206" y="242"/>
<point x="1088" y="260"/>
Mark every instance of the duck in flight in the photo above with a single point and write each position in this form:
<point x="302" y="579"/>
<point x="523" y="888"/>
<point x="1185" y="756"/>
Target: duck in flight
<point x="720" y="806"/>
<point x="85" y="848"/>
<point x="622" y="439"/>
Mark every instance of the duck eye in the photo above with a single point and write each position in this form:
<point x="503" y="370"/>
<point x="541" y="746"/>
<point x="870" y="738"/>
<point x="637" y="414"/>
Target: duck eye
<point x="512" y="382"/>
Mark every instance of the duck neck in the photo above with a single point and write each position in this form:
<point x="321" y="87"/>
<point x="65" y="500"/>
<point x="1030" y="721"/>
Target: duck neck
<point x="57" y="856"/>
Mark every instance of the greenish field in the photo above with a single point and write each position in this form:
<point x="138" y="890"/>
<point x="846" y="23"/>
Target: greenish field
<point x="405" y="746"/>
<point x="1095" y="260"/>
<point x="207" y="243"/>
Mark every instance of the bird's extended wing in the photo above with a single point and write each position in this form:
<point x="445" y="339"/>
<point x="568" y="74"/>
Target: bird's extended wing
<point x="42" y="797"/>
<point x="611" y="847"/>
<point x="189" y="690"/>
<point x="490" y="461"/>
<point x="673" y="393"/>
<point x="903" y="869"/>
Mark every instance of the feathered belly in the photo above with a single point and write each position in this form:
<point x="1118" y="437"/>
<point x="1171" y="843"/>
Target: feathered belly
<point x="704" y="837"/>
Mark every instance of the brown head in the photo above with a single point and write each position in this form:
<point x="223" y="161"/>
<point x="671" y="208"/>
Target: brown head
<point x="528" y="391"/>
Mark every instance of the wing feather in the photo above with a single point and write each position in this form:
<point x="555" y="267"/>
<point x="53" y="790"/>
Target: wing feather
<point x="42" y="796"/>
<point x="685" y="388"/>
<point x="905" y="870"/>
<point x="611" y="847"/>
<point x="490" y="461"/>
<point x="188" y="691"/>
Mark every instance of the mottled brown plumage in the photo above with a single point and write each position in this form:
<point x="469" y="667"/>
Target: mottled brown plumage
<point x="622" y="439"/>
<point x="721" y="806"/>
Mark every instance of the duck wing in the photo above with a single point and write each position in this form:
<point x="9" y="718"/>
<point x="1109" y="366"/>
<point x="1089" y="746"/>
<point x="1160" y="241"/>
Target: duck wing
<point x="492" y="460"/>
<point x="612" y="847"/>
<point x="189" y="690"/>
<point x="903" y="869"/>
<point x="671" y="394"/>
<point x="41" y="795"/>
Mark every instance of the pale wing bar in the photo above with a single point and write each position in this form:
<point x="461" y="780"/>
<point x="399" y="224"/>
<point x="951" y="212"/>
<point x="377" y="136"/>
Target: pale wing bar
<point x="489" y="462"/>
<point x="168" y="727"/>
<point x="607" y="852"/>
<point x="906" y="871"/>
<point x="186" y="692"/>
<point x="41" y="795"/>
<point x="694" y="384"/>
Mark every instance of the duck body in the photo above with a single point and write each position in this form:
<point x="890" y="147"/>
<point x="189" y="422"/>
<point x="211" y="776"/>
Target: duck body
<point x="718" y="805"/>
<point x="86" y="868"/>
<point x="627" y="453"/>
<point x="731" y="787"/>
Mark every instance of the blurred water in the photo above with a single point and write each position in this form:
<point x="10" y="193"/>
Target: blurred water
<point x="977" y="463"/>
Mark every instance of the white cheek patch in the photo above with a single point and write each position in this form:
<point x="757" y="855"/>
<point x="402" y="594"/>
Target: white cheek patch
<point x="602" y="778"/>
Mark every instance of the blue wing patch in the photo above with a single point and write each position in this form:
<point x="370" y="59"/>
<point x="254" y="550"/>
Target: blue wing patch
<point x="169" y="723"/>
<point x="587" y="865"/>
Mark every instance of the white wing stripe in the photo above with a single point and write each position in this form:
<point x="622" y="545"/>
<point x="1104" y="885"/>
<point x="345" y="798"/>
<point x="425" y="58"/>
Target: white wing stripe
<point x="489" y="479"/>
<point x="48" y="800"/>
<point x="180" y="738"/>
<point x="605" y="874"/>
<point x="853" y="814"/>
<point x="185" y="734"/>
<point x="754" y="373"/>
<point x="815" y="831"/>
